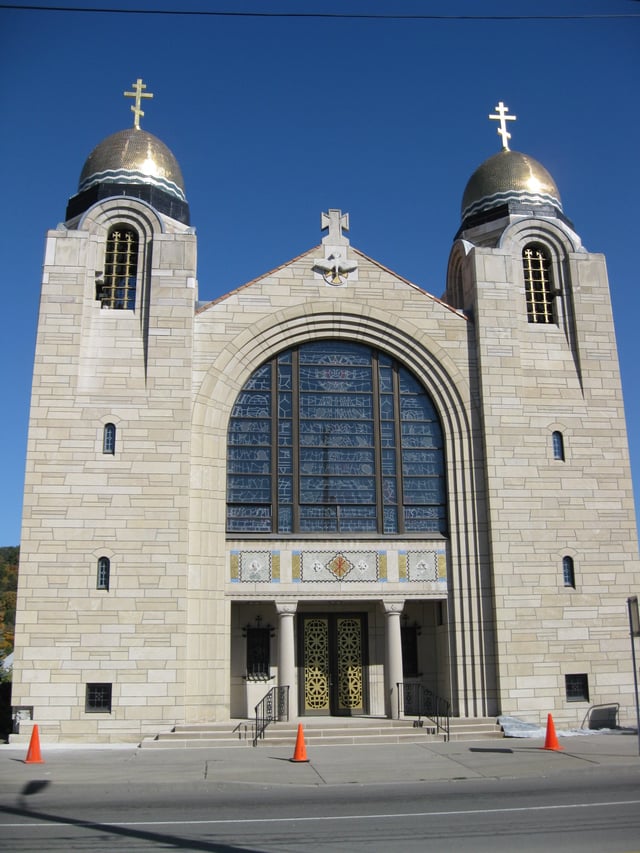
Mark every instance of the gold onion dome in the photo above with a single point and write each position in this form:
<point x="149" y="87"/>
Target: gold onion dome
<point x="509" y="177"/>
<point x="133" y="157"/>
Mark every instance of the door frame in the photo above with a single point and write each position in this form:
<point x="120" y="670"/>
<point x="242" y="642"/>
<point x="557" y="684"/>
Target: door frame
<point x="332" y="617"/>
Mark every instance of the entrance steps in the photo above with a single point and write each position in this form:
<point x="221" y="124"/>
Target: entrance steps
<point x="323" y="731"/>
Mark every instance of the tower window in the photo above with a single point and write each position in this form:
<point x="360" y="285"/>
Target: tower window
<point x="104" y="570"/>
<point x="117" y="289"/>
<point x="577" y="687"/>
<point x="98" y="699"/>
<point x="558" y="446"/>
<point x="335" y="437"/>
<point x="538" y="286"/>
<point x="109" y="439"/>
<point x="568" y="574"/>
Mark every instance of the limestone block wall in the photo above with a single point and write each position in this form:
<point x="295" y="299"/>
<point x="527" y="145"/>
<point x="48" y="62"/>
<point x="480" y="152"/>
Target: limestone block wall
<point x="535" y="379"/>
<point x="131" y="368"/>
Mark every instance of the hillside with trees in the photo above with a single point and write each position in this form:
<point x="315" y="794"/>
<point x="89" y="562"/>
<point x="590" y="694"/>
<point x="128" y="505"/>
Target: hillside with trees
<point x="9" y="557"/>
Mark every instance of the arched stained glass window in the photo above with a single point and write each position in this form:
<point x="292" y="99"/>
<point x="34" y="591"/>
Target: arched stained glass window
<point x="109" y="439"/>
<point x="558" y="445"/>
<point x="538" y="285"/>
<point x="117" y="288"/>
<point x="334" y="437"/>
<point x="104" y="571"/>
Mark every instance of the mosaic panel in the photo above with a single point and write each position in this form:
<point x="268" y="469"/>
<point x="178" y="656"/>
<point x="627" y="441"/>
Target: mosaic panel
<point x="342" y="566"/>
<point x="254" y="566"/>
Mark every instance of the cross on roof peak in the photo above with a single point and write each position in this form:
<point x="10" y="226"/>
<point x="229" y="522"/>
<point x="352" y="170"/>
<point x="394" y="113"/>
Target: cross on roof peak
<point x="503" y="118"/>
<point x="337" y="222"/>
<point x="138" y="94"/>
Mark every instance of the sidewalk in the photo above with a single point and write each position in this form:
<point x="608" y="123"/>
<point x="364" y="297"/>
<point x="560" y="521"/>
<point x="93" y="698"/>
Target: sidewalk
<point x="386" y="764"/>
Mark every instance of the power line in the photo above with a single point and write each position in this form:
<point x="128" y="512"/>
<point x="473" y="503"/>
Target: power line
<point x="316" y="15"/>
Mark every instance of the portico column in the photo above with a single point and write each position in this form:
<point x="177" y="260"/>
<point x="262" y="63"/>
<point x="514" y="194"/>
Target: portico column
<point x="393" y="663"/>
<point x="286" y="653"/>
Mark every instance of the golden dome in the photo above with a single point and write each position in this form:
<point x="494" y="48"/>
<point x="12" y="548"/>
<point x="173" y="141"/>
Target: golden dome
<point x="133" y="156"/>
<point x="509" y="177"/>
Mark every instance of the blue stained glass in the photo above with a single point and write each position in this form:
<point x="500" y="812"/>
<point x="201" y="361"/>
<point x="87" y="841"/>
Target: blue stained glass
<point x="386" y="380"/>
<point x="344" y="380"/>
<point x="334" y="352"/>
<point x="335" y="461"/>
<point x="388" y="434"/>
<point x="284" y="378"/>
<point x="285" y="461"/>
<point x="252" y="405"/>
<point x="390" y="519"/>
<point x="331" y="490"/>
<point x="389" y="462"/>
<point x="386" y="407"/>
<point x="285" y="490"/>
<point x="285" y="405"/>
<point x="260" y="379"/>
<point x="409" y="384"/>
<point x="285" y="519"/>
<point x="389" y="490"/>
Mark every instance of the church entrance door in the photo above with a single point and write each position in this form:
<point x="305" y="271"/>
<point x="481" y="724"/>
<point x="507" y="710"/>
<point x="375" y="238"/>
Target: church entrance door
<point x="333" y="647"/>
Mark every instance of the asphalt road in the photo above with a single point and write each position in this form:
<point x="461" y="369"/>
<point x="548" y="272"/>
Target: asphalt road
<point x="593" y="812"/>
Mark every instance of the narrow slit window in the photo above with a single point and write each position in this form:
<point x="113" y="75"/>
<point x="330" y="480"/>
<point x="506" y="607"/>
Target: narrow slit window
<point x="538" y="286"/>
<point x="568" y="573"/>
<point x="109" y="439"/>
<point x="117" y="288"/>
<point x="104" y="571"/>
<point x="558" y="446"/>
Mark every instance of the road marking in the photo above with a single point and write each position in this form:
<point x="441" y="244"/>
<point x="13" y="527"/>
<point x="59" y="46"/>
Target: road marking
<point x="389" y="816"/>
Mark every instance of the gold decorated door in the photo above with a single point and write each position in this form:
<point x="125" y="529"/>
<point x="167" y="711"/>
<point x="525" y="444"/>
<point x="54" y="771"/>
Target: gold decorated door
<point x="333" y="663"/>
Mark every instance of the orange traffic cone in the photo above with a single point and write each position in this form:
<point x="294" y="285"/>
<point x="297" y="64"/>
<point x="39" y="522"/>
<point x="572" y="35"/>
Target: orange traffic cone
<point x="551" y="741"/>
<point x="300" y="752"/>
<point x="33" y="753"/>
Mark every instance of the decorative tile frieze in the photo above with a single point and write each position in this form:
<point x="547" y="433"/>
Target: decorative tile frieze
<point x="253" y="566"/>
<point x="343" y="566"/>
<point x="422" y="566"/>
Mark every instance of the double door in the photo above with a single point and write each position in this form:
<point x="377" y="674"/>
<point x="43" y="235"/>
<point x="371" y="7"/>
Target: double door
<point x="333" y="657"/>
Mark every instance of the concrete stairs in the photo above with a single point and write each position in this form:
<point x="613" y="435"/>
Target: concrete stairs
<point x="323" y="731"/>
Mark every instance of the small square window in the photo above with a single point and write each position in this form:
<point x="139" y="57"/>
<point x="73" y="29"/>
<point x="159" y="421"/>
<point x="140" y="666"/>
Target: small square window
<point x="577" y="687"/>
<point x="98" y="699"/>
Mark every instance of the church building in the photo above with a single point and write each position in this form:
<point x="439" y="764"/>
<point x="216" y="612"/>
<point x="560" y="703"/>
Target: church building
<point x="328" y="485"/>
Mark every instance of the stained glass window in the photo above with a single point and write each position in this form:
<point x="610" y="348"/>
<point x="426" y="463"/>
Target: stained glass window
<point x="117" y="288"/>
<point x="334" y="437"/>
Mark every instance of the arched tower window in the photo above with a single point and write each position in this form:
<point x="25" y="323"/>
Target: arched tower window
<point x="109" y="439"/>
<point x="334" y="437"/>
<point x="568" y="572"/>
<point x="558" y="445"/>
<point x="117" y="288"/>
<point x="538" y="285"/>
<point x="104" y="570"/>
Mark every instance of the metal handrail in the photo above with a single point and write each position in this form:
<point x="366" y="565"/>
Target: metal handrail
<point x="272" y="708"/>
<point x="427" y="703"/>
<point x="243" y="728"/>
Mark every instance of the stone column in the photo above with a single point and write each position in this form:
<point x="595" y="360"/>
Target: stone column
<point x="286" y="653"/>
<point x="393" y="662"/>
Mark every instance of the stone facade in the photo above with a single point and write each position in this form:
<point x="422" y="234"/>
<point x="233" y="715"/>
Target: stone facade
<point x="496" y="626"/>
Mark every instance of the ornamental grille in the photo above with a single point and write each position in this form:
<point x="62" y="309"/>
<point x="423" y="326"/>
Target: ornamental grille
<point x="118" y="286"/>
<point x="537" y="285"/>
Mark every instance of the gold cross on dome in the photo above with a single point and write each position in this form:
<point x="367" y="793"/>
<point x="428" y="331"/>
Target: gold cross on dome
<point x="503" y="118"/>
<point x="138" y="94"/>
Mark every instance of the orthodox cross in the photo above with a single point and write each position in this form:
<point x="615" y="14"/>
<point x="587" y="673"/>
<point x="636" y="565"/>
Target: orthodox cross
<point x="138" y="94"/>
<point x="503" y="118"/>
<point x="336" y="221"/>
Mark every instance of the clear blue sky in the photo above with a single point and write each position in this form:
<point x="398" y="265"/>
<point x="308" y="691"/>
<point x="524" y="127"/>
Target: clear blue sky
<point x="274" y="120"/>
